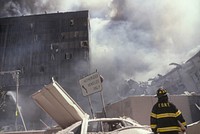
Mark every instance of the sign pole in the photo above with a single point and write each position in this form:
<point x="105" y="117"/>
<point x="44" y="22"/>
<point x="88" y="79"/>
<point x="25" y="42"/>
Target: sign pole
<point x="91" y="108"/>
<point x="92" y="84"/>
<point x="102" y="99"/>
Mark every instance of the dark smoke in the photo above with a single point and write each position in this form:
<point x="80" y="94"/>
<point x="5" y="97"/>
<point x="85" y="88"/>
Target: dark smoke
<point x="10" y="8"/>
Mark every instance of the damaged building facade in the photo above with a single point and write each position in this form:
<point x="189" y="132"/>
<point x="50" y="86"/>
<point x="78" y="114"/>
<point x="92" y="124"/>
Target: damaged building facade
<point x="182" y="79"/>
<point x="36" y="49"/>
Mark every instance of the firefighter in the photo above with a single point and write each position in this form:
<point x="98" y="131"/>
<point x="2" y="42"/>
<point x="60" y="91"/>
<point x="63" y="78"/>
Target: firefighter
<point x="165" y="117"/>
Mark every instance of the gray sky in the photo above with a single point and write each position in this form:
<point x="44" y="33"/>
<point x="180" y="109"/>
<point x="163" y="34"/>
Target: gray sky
<point x="129" y="38"/>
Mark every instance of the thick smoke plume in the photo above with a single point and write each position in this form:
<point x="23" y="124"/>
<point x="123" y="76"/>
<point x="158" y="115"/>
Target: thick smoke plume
<point x="135" y="39"/>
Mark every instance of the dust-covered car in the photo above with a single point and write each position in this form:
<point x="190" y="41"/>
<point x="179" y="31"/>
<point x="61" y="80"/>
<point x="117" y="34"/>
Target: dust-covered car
<point x="109" y="126"/>
<point x="54" y="100"/>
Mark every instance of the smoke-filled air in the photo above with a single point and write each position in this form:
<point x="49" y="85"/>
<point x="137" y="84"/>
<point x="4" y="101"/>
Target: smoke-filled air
<point x="129" y="39"/>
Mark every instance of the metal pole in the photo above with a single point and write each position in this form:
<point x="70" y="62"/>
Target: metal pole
<point x="17" y="106"/>
<point x="90" y="102"/>
<point x="17" y="92"/>
<point x="102" y="99"/>
<point x="91" y="107"/>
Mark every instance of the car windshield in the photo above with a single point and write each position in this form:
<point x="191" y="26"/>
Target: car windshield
<point x="105" y="126"/>
<point x="77" y="130"/>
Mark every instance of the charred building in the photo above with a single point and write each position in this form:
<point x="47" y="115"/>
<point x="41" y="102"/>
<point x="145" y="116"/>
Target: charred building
<point x="38" y="48"/>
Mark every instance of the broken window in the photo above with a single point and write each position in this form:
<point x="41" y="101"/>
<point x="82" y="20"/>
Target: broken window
<point x="54" y="50"/>
<point x="84" y="44"/>
<point x="31" y="25"/>
<point x="71" y="22"/>
<point x="68" y="56"/>
<point x="54" y="47"/>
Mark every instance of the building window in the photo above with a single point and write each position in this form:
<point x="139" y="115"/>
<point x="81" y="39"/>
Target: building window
<point x="31" y="25"/>
<point x="68" y="56"/>
<point x="42" y="69"/>
<point x="84" y="44"/>
<point x="71" y="22"/>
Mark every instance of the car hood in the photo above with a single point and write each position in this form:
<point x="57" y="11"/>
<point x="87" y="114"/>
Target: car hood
<point x="55" y="101"/>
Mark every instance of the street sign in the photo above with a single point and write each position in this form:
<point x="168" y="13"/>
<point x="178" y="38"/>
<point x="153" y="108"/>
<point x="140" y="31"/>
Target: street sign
<point x="91" y="84"/>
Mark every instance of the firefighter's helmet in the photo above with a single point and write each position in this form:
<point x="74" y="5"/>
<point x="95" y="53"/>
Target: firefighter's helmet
<point x="161" y="93"/>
